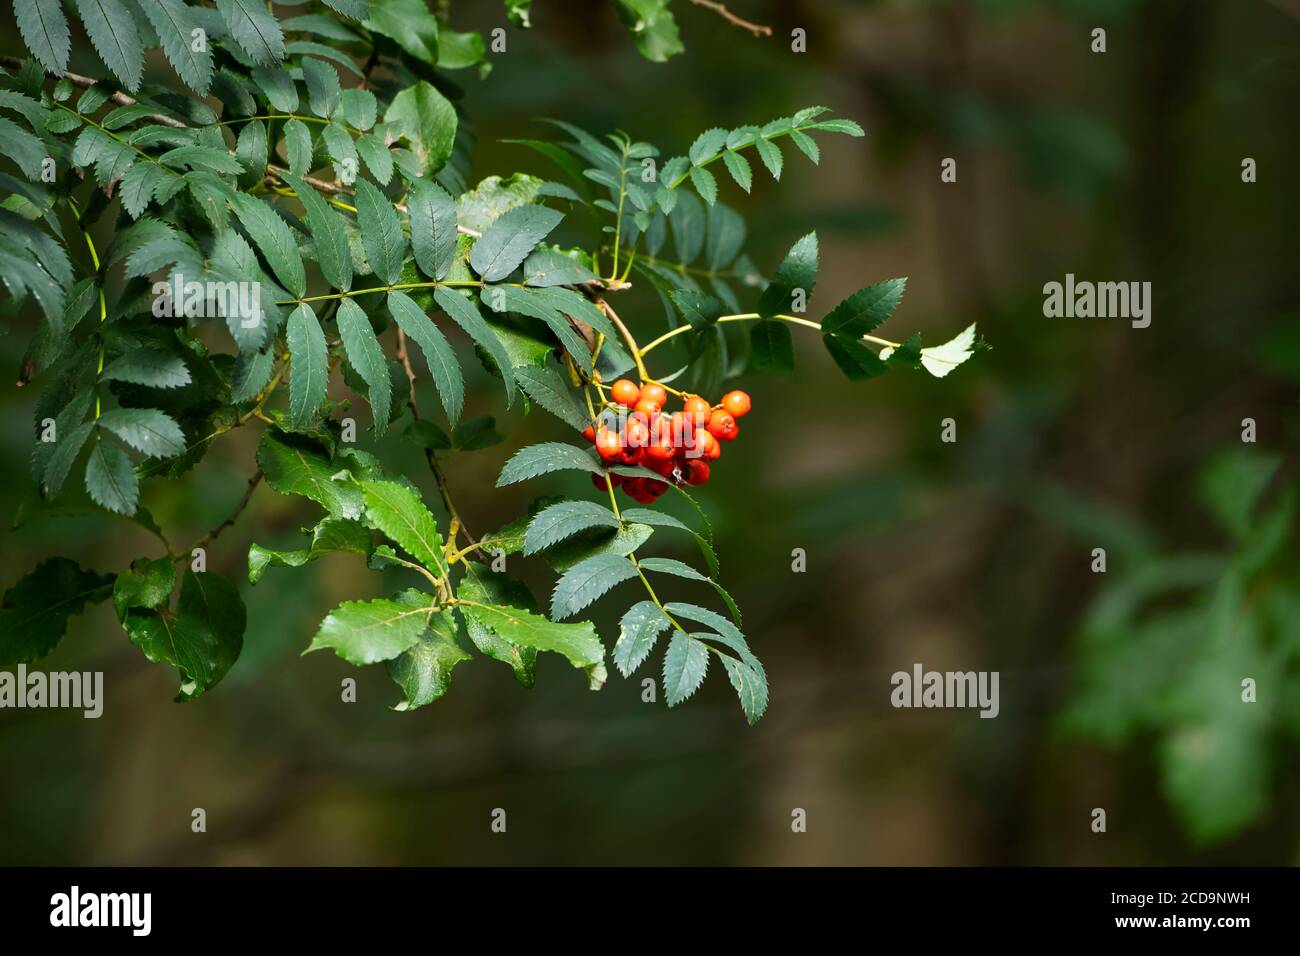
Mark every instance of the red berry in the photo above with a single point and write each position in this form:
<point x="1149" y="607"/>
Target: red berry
<point x="608" y="444"/>
<point x="696" y="472"/>
<point x="625" y="393"/>
<point x="589" y="433"/>
<point x="737" y="403"/>
<point x="722" y="425"/>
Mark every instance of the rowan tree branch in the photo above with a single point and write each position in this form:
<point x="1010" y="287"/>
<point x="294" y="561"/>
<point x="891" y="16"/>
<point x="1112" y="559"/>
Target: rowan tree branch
<point x="721" y="10"/>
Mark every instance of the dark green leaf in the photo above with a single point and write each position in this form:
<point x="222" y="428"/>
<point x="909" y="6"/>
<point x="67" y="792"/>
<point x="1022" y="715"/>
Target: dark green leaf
<point x="588" y="580"/>
<point x="111" y="480"/>
<point x="367" y="358"/>
<point x="437" y="351"/>
<point x="637" y="632"/>
<point x="865" y="309"/>
<point x="34" y="612"/>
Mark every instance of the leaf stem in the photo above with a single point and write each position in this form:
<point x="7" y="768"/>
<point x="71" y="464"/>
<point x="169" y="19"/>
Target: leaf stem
<point x="749" y="316"/>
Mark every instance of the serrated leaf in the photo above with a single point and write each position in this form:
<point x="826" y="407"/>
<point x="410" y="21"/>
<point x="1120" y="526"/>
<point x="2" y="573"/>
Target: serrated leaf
<point x="433" y="228"/>
<point x="807" y="145"/>
<point x="661" y="519"/>
<point x="637" y="633"/>
<point x="34" y="612"/>
<point x="853" y="357"/>
<point x="147" y="430"/>
<point x="147" y="584"/>
<point x="281" y="91"/>
<point x="60" y="460"/>
<point x="174" y="22"/>
<point x="588" y="580"/>
<point x="381" y="232"/>
<point x="535" y="303"/>
<point x="323" y="90"/>
<point x="441" y="360"/>
<point x="113" y="33"/>
<point x="110" y="479"/>
<point x="44" y="29"/>
<point x="685" y="664"/>
<point x="547" y="387"/>
<point x="480" y="586"/>
<point x="705" y="184"/>
<point x="366" y="632"/>
<point x="328" y="233"/>
<point x="148" y="366"/>
<point x="707" y="145"/>
<point x="255" y="29"/>
<point x="550" y="267"/>
<point x="770" y="154"/>
<point x="330" y="536"/>
<point x="865" y="309"/>
<point x="398" y="512"/>
<point x="576" y="642"/>
<point x="563" y="520"/>
<point x="939" y="360"/>
<point x="310" y="362"/>
<point x="365" y="355"/>
<point x="511" y="237"/>
<point x="377" y="158"/>
<point x="423" y="671"/>
<point x="542" y="459"/>
<point x="738" y="166"/>
<point x="682" y="570"/>
<point x="464" y="313"/>
<point x="297" y="467"/>
<point x="298" y="148"/>
<point x="797" y="271"/>
<point x="750" y="686"/>
<point x="275" y="240"/>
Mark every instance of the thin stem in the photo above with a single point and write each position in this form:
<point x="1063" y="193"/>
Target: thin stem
<point x="627" y="337"/>
<point x="211" y="536"/>
<point x="720" y="9"/>
<point x="749" y="316"/>
<point x="458" y="284"/>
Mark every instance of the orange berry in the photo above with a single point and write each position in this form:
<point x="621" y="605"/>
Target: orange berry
<point x="705" y="444"/>
<point x="625" y="393"/>
<point x="737" y="403"/>
<point x="648" y="408"/>
<point x="636" y="432"/>
<point x="608" y="444"/>
<point x="722" y="425"/>
<point x="589" y="433"/>
<point x="696" y="408"/>
<point x="651" y="392"/>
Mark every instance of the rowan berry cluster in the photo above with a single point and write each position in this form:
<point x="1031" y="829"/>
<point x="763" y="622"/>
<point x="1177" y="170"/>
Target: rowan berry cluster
<point x="635" y="429"/>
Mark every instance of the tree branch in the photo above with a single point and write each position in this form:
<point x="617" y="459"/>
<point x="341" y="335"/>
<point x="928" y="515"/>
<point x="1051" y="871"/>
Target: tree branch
<point x="721" y="10"/>
<point x="86" y="82"/>
<point x="211" y="536"/>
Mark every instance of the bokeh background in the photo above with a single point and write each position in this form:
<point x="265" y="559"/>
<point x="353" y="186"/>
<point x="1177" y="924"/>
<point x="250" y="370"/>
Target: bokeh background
<point x="1118" y="690"/>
